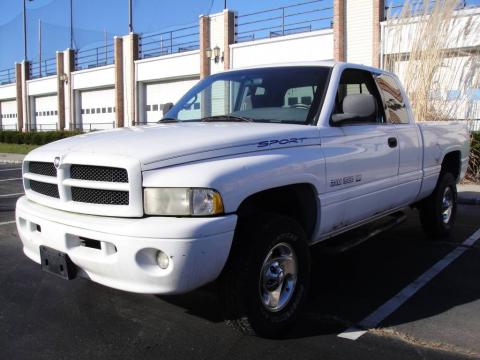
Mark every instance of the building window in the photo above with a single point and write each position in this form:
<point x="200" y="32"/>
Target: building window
<point x="473" y="94"/>
<point x="149" y="107"/>
<point x="453" y="95"/>
<point x="110" y="109"/>
<point x="98" y="110"/>
<point x="56" y="112"/>
<point x="104" y="110"/>
<point x="83" y="111"/>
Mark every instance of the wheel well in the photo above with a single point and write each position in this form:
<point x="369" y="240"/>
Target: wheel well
<point x="298" y="201"/>
<point x="451" y="164"/>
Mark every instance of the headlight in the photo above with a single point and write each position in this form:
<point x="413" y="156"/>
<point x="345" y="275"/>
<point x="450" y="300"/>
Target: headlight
<point x="182" y="202"/>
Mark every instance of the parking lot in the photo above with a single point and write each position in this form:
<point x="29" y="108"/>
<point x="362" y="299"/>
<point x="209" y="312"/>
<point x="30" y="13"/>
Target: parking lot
<point x="424" y="297"/>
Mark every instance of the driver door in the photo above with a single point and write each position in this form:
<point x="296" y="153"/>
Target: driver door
<point x="362" y="163"/>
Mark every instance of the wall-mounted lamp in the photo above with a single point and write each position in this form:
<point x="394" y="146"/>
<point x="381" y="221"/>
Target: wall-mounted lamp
<point x="63" y="77"/>
<point x="214" y="54"/>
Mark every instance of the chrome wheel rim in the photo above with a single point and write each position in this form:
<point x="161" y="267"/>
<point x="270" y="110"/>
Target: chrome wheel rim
<point x="447" y="205"/>
<point x="278" y="277"/>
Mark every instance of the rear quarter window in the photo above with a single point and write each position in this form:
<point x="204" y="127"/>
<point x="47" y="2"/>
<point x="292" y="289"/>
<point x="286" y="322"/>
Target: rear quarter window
<point x="394" y="104"/>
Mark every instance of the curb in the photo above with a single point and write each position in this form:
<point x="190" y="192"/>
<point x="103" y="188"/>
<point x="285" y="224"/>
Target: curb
<point x="6" y="161"/>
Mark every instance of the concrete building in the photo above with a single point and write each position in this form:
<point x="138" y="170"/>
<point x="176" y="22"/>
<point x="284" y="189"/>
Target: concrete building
<point x="128" y="81"/>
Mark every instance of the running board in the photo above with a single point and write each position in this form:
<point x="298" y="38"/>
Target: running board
<point x="348" y="240"/>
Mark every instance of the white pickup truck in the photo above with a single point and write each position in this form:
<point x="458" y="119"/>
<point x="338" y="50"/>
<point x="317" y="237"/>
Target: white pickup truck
<point x="234" y="184"/>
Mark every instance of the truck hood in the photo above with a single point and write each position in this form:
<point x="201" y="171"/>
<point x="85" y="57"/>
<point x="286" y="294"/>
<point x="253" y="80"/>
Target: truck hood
<point x="173" y="143"/>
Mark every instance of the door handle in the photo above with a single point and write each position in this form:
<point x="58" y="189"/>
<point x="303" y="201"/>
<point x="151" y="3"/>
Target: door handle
<point x="392" y="142"/>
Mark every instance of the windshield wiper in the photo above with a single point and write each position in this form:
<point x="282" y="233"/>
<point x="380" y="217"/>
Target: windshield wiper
<point x="167" y="120"/>
<point x="226" y="118"/>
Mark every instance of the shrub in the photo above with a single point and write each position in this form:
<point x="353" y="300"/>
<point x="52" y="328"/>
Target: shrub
<point x="473" y="173"/>
<point x="34" y="138"/>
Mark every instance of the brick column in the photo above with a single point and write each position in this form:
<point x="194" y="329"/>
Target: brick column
<point x="24" y="100"/>
<point x="339" y="30"/>
<point x="19" y="95"/>
<point x="60" y="91"/>
<point x="118" y="60"/>
<point x="378" y="16"/>
<point x="204" y="45"/>
<point x="130" y="54"/>
<point x="68" y="68"/>
<point x="229" y="37"/>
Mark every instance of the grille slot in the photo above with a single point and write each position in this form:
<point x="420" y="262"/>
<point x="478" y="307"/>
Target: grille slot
<point x="97" y="196"/>
<point x="99" y="173"/>
<point x="44" y="188"/>
<point x="42" y="168"/>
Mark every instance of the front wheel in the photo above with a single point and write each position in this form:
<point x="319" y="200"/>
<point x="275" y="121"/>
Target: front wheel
<point x="266" y="279"/>
<point x="438" y="211"/>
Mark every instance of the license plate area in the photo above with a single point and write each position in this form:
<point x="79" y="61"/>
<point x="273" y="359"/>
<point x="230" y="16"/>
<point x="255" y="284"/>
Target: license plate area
<point x="57" y="263"/>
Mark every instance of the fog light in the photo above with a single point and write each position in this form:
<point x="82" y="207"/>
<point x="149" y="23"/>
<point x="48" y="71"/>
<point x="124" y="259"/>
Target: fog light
<point x="162" y="260"/>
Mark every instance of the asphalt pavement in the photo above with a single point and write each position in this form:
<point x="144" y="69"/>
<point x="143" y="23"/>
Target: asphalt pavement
<point x="45" y="317"/>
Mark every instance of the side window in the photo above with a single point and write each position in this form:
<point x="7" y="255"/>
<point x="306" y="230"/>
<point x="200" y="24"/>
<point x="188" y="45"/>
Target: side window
<point x="358" y="100"/>
<point x="395" y="108"/>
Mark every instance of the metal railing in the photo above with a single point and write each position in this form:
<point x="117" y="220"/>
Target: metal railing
<point x="169" y="42"/>
<point x="44" y="127"/>
<point x="96" y="57"/>
<point x="7" y="76"/>
<point x="286" y="20"/>
<point x="92" y="126"/>
<point x="8" y="127"/>
<point x="46" y="67"/>
<point x="395" y="8"/>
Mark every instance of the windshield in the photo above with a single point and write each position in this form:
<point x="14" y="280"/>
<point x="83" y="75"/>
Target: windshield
<point x="277" y="95"/>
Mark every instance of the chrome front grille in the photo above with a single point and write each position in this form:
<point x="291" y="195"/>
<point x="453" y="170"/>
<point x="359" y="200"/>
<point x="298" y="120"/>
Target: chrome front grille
<point x="96" y="196"/>
<point x="44" y="188"/>
<point x="78" y="184"/>
<point x="42" y="168"/>
<point x="98" y="173"/>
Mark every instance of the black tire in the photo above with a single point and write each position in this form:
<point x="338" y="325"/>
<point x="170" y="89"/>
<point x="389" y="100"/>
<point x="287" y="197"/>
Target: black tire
<point x="240" y="283"/>
<point x="432" y="208"/>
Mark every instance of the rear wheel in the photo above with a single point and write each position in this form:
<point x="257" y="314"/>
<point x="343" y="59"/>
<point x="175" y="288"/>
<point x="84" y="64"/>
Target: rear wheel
<point x="265" y="282"/>
<point x="438" y="211"/>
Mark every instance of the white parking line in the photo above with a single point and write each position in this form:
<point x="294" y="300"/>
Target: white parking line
<point x="376" y="317"/>
<point x="7" y="223"/>
<point x="12" y="179"/>
<point x="10" y="195"/>
<point x="10" y="169"/>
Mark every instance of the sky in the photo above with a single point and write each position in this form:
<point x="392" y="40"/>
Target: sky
<point x="95" y="19"/>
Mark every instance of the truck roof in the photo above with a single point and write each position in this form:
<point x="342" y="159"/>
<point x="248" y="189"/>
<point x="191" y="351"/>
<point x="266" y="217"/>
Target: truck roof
<point x="327" y="63"/>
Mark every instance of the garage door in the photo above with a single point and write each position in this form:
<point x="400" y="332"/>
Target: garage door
<point x="8" y="111"/>
<point x="159" y="94"/>
<point x="46" y="113"/>
<point x="97" y="109"/>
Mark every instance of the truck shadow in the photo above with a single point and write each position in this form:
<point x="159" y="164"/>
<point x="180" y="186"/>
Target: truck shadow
<point x="346" y="287"/>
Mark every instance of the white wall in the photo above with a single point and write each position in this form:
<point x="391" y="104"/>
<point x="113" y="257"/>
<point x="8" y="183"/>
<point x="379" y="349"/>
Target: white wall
<point x="311" y="46"/>
<point x="399" y="35"/>
<point x="8" y="91"/>
<point x="457" y="76"/>
<point x="93" y="78"/>
<point x="42" y="86"/>
<point x="168" y="66"/>
<point x="359" y="31"/>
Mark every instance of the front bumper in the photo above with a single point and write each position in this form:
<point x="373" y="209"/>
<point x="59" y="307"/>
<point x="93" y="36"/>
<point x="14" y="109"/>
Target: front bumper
<point x="197" y="247"/>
